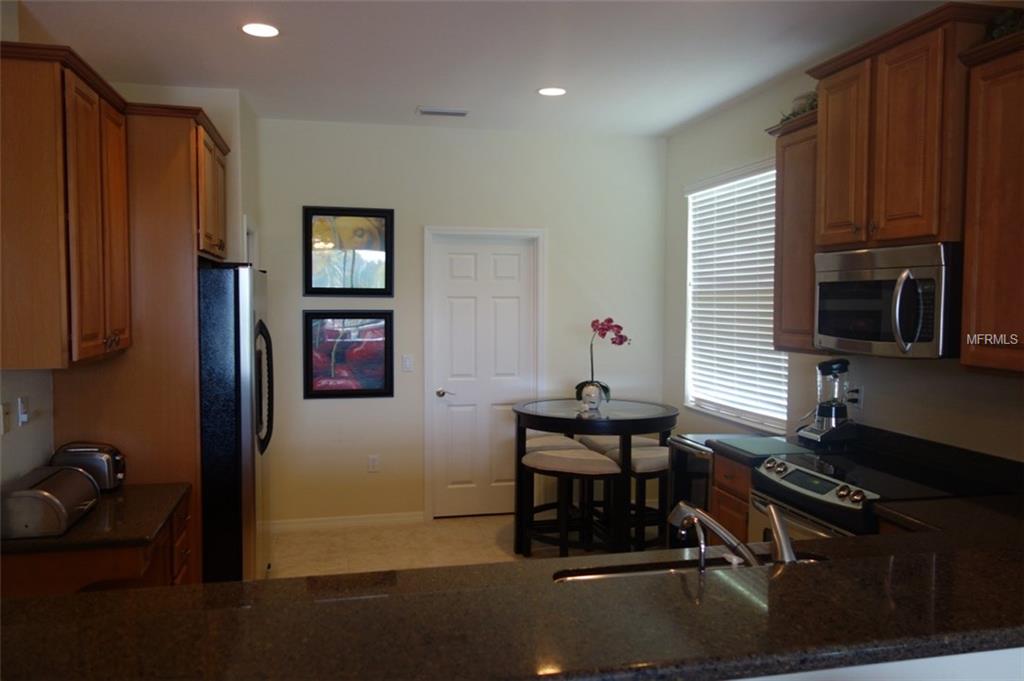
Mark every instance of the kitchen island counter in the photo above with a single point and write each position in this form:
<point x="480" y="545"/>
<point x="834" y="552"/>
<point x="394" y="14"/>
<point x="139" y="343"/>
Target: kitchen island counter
<point x="872" y="599"/>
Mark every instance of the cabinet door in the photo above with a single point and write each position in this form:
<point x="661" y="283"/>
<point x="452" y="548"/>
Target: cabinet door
<point x="842" y="187"/>
<point x="907" y="147"/>
<point x="795" y="168"/>
<point x="85" y="219"/>
<point x="115" y="227"/>
<point x="731" y="512"/>
<point x="212" y="202"/>
<point x="993" y="300"/>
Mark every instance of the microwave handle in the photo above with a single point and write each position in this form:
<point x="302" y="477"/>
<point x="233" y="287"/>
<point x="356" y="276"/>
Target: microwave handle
<point x="897" y="295"/>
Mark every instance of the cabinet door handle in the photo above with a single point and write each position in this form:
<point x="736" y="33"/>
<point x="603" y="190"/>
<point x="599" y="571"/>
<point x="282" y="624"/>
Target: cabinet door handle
<point x="873" y="227"/>
<point x="854" y="228"/>
<point x="220" y="244"/>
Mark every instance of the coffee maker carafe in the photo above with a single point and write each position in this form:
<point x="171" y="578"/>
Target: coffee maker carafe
<point x="833" y="395"/>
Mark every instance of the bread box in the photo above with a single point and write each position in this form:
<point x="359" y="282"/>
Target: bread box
<point x="47" y="501"/>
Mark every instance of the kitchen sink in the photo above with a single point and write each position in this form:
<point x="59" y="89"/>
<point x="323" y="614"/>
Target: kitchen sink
<point x="718" y="562"/>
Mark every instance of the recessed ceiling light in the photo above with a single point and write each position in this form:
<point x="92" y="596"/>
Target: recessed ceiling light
<point x="261" y="30"/>
<point x="551" y="91"/>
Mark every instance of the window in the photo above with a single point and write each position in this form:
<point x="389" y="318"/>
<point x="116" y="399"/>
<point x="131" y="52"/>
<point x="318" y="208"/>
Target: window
<point x="732" y="369"/>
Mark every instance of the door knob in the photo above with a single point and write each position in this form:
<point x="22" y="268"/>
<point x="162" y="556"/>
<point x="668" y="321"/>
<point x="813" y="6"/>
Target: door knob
<point x="441" y="392"/>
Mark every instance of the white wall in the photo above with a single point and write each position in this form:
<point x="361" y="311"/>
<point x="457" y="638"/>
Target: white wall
<point x="932" y="399"/>
<point x="28" y="446"/>
<point x="598" y="198"/>
<point x="223" y="106"/>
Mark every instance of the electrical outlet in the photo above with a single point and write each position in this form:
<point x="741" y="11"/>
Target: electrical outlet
<point x="407" y="364"/>
<point x="373" y="464"/>
<point x="856" y="393"/>
<point x="7" y="416"/>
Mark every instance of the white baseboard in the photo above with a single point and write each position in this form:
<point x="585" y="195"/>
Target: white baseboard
<point x="339" y="521"/>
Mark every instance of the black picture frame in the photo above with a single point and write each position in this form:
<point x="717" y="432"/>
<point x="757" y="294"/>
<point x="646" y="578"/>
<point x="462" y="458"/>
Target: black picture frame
<point x="326" y="374"/>
<point x="385" y="232"/>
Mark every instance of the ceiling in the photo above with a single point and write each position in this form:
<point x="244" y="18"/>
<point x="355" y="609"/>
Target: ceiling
<point x="630" y="67"/>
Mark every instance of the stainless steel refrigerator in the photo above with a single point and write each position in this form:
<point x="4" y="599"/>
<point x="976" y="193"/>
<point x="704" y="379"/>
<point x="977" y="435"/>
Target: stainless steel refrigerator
<point x="236" y="390"/>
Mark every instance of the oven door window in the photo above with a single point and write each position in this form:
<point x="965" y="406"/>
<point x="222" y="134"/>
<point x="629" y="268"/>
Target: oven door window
<point x="862" y="310"/>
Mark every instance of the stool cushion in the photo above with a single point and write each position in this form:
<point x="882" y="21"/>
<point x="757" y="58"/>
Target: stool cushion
<point x="644" y="459"/>
<point x="606" y="443"/>
<point x="551" y="443"/>
<point x="579" y="461"/>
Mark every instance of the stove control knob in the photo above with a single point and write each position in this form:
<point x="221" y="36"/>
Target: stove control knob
<point x="769" y="464"/>
<point x="843" y="491"/>
<point x="857" y="496"/>
<point x="780" y="468"/>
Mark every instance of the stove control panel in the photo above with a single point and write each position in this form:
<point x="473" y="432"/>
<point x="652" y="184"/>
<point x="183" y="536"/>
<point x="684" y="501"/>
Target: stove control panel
<point x="814" y="484"/>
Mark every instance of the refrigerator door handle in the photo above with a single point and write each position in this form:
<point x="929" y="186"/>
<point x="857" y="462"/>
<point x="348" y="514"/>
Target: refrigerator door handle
<point x="263" y="441"/>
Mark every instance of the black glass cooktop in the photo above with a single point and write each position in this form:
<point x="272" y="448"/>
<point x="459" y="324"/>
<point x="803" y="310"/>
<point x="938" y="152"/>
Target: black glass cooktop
<point x="898" y="466"/>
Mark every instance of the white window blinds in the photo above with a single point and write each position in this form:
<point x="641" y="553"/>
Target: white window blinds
<point x="732" y="369"/>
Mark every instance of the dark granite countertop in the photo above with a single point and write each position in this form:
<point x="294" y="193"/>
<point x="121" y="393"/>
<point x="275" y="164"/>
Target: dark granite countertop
<point x="871" y="599"/>
<point x="132" y="515"/>
<point x="999" y="514"/>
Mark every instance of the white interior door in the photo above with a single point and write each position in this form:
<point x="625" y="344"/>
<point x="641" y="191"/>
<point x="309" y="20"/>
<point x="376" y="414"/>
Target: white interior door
<point x="482" y="317"/>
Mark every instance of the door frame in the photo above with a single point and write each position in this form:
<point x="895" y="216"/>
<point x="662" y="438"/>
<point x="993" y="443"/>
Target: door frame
<point x="430" y="234"/>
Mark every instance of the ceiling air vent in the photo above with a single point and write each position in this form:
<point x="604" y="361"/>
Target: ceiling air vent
<point x="439" y="111"/>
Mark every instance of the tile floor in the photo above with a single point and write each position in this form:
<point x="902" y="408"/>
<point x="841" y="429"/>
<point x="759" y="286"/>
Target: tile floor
<point x="436" y="543"/>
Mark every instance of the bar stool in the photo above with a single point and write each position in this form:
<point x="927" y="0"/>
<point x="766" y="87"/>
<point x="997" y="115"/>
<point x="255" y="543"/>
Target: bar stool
<point x="551" y="443"/>
<point x="566" y="466"/>
<point x="647" y="463"/>
<point x="602" y="444"/>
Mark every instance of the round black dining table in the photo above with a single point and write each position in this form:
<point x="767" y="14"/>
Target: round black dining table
<point x="624" y="418"/>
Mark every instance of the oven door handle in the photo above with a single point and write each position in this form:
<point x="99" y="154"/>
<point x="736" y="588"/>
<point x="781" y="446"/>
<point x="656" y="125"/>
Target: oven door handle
<point x="897" y="296"/>
<point x="791" y="520"/>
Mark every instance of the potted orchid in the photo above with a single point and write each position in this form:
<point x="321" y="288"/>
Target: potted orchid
<point x="591" y="392"/>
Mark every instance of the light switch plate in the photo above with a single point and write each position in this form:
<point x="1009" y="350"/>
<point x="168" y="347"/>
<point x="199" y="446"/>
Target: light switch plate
<point x="407" y="363"/>
<point x="7" y="417"/>
<point x="23" y="411"/>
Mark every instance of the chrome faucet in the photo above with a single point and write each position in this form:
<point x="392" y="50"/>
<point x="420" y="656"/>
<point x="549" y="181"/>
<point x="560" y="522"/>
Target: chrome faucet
<point x="685" y="517"/>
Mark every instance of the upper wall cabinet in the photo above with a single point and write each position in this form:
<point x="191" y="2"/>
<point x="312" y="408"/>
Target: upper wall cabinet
<point x="891" y="133"/>
<point x="212" y="200"/>
<point x="795" y="162"/>
<point x="64" y="217"/>
<point x="993" y="224"/>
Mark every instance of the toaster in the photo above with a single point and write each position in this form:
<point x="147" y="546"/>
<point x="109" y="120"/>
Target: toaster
<point x="47" y="501"/>
<point x="103" y="462"/>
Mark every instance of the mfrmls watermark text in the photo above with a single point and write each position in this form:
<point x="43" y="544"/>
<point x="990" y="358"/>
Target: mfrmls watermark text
<point x="993" y="339"/>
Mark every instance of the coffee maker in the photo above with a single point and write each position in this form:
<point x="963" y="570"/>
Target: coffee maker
<point x="830" y="421"/>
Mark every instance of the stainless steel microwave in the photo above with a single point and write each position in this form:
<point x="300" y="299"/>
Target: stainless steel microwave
<point x="902" y="301"/>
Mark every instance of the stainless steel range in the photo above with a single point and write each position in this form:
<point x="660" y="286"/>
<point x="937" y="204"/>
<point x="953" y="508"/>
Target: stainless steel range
<point x="829" y="495"/>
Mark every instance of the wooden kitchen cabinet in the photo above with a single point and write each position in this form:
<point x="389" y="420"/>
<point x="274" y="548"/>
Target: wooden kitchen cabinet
<point x="134" y="536"/>
<point x="842" y="152"/>
<point x="151" y="394"/>
<point x="212" y="174"/>
<point x="891" y="127"/>
<point x="907" y="146"/>
<point x="64" y="224"/>
<point x="795" y="170"/>
<point x="116" y="244"/>
<point x="730" y="496"/>
<point x="993" y="293"/>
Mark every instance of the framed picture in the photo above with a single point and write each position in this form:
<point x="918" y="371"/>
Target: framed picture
<point x="348" y="251"/>
<point x="348" y="353"/>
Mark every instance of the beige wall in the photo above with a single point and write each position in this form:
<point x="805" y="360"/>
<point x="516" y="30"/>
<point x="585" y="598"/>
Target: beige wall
<point x="933" y="399"/>
<point x="599" y="200"/>
<point x="26" y="447"/>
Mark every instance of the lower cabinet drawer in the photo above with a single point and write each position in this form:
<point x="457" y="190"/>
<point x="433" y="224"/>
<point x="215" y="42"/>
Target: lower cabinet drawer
<point x="731" y="511"/>
<point x="182" y="551"/>
<point x="182" y="575"/>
